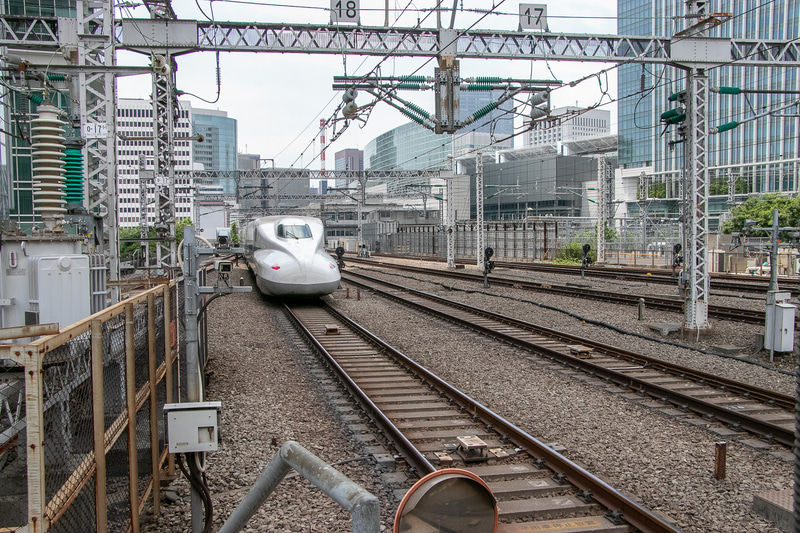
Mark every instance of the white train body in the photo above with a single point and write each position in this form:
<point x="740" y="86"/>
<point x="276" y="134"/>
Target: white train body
<point x="287" y="256"/>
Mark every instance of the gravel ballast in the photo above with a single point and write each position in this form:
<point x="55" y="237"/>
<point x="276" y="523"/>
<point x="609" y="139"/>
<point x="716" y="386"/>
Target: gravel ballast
<point x="268" y="397"/>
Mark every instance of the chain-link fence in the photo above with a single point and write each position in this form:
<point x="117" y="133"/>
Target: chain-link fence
<point x="544" y="239"/>
<point x="539" y="240"/>
<point x="83" y="440"/>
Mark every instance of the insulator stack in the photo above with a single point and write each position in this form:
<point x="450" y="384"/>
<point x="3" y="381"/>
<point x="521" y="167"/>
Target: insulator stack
<point x="47" y="138"/>
<point x="73" y="174"/>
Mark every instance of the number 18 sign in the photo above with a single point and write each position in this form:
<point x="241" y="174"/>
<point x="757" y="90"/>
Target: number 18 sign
<point x="345" y="11"/>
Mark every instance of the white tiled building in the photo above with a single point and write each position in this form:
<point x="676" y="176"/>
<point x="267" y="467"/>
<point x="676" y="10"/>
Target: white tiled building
<point x="567" y="124"/>
<point x="135" y="128"/>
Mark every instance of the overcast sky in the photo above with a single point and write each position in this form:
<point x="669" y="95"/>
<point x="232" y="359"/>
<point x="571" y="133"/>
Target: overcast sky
<point x="278" y="99"/>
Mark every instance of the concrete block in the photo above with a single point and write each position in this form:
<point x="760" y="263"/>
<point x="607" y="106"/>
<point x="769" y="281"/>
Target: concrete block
<point x="775" y="506"/>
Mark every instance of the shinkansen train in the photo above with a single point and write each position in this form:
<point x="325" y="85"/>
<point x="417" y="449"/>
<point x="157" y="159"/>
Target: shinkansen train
<point x="287" y="256"/>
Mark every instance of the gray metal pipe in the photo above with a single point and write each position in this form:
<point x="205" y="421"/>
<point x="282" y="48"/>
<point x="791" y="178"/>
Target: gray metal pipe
<point x="362" y="506"/>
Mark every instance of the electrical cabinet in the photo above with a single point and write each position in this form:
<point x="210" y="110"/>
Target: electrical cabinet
<point x="192" y="426"/>
<point x="784" y="327"/>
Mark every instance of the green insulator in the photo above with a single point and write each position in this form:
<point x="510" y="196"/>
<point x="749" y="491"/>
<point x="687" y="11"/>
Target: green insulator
<point x="413" y="86"/>
<point x="418" y="109"/>
<point x="485" y="110"/>
<point x="413" y="78"/>
<point x="73" y="175"/>
<point x="677" y="119"/>
<point x="416" y="118"/>
<point x="674" y="97"/>
<point x="56" y="77"/>
<point x="37" y="99"/>
<point x="488" y="79"/>
<point x="730" y="90"/>
<point x="479" y="87"/>
<point x="666" y="115"/>
<point x="727" y="126"/>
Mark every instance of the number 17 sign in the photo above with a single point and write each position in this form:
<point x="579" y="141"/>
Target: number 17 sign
<point x="533" y="16"/>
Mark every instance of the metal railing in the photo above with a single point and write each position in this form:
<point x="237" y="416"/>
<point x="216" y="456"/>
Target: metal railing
<point x="362" y="506"/>
<point x="86" y="446"/>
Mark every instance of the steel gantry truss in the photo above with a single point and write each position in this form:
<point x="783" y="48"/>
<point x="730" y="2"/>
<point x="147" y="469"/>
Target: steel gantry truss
<point x="97" y="104"/>
<point x="176" y="37"/>
<point x="184" y="36"/>
<point x="165" y="115"/>
<point x="605" y="178"/>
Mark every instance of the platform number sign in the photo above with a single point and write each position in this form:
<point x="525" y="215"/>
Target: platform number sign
<point x="533" y="16"/>
<point x="346" y="11"/>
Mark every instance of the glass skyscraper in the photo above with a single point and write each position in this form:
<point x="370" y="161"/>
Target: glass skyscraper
<point x="218" y="149"/>
<point x="762" y="154"/>
<point x="413" y="147"/>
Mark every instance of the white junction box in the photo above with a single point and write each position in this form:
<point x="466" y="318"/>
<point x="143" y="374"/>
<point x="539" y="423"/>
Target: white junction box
<point x="192" y="426"/>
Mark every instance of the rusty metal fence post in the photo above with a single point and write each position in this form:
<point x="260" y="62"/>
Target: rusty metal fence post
<point x="98" y="416"/>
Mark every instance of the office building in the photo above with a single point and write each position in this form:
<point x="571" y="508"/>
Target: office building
<point x="568" y="124"/>
<point x="349" y="159"/>
<point x="413" y="147"/>
<point x="135" y="154"/>
<point x="218" y="151"/>
<point x="759" y="156"/>
<point x="248" y="161"/>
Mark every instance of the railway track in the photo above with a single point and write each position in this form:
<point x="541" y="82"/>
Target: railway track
<point x="674" y="305"/>
<point x="434" y="425"/>
<point x="718" y="280"/>
<point x="742" y="407"/>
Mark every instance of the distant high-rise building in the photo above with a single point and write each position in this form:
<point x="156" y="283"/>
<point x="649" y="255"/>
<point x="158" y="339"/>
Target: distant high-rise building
<point x="248" y="161"/>
<point x="348" y="159"/>
<point x="413" y="147"/>
<point x="763" y="153"/>
<point x="569" y="124"/>
<point x="135" y="153"/>
<point x="218" y="151"/>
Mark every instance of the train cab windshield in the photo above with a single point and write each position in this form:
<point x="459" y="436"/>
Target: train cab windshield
<point x="294" y="231"/>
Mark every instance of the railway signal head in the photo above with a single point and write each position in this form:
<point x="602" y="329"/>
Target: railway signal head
<point x="586" y="260"/>
<point x="488" y="265"/>
<point x="339" y="257"/>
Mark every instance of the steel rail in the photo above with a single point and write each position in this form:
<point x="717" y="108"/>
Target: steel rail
<point x="414" y="457"/>
<point x="635" y="514"/>
<point x="686" y="402"/>
<point x="719" y="280"/>
<point x="666" y="304"/>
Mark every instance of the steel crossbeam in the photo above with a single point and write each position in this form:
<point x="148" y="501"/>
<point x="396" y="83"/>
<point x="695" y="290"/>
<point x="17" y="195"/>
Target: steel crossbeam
<point x="140" y="34"/>
<point x="28" y="32"/>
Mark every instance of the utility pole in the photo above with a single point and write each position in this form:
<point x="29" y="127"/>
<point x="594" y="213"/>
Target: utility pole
<point x="165" y="114"/>
<point x="194" y="305"/>
<point x="479" y="206"/>
<point x="602" y="207"/>
<point x="692" y="50"/>
<point x="96" y="48"/>
<point x="644" y="194"/>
